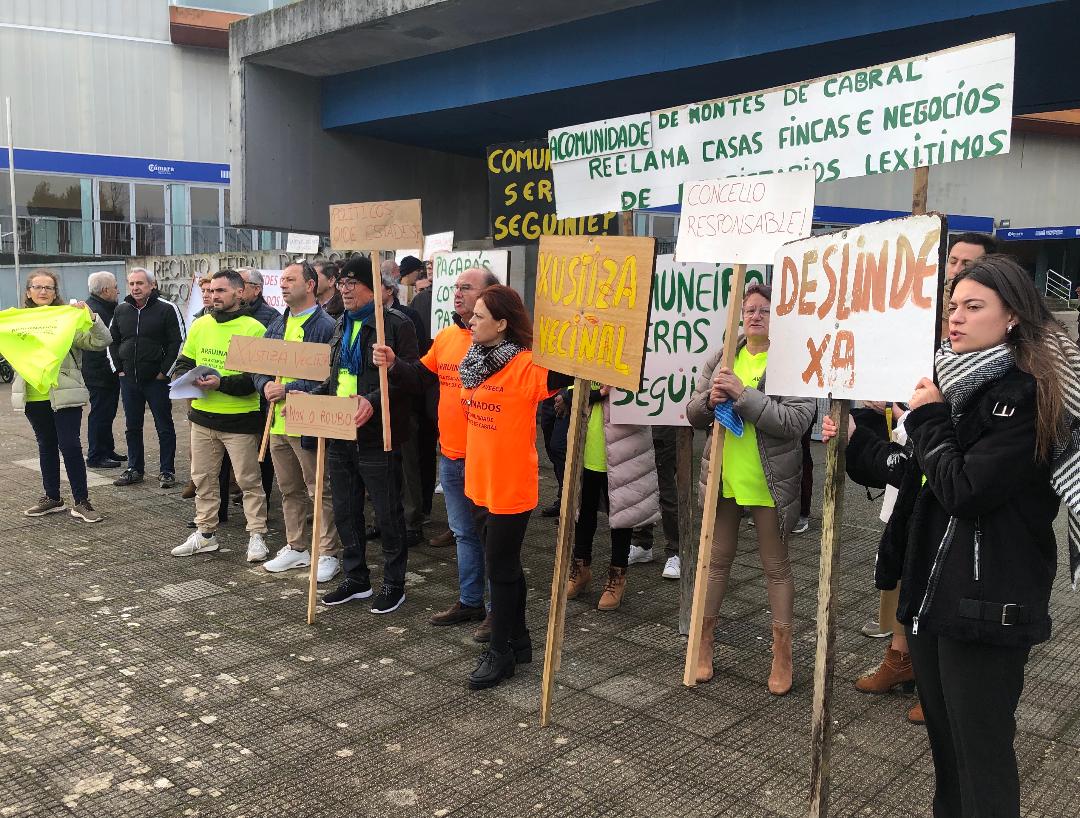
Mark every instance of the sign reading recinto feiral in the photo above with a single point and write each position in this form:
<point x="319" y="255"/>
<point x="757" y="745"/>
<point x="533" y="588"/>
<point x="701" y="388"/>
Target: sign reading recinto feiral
<point x="855" y="313"/>
<point x="928" y="110"/>
<point x="376" y="225"/>
<point x="592" y="306"/>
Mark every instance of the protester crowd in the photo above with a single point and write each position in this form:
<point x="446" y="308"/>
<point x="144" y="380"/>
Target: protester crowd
<point x="972" y="466"/>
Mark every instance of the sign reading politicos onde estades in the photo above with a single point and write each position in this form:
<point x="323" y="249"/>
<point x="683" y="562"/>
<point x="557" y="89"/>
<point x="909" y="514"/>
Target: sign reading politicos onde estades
<point x="942" y="107"/>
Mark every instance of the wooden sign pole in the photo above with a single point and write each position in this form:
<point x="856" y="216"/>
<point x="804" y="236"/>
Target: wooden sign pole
<point x="316" y="527"/>
<point x="688" y="544"/>
<point x="564" y="543"/>
<point x="831" y="523"/>
<point x="265" y="444"/>
<point x="713" y="485"/>
<point x="380" y="338"/>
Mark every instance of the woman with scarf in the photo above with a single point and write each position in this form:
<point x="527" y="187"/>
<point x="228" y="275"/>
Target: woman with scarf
<point x="501" y="389"/>
<point x="990" y="450"/>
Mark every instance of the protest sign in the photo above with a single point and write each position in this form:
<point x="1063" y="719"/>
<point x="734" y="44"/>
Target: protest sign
<point x="271" y="293"/>
<point x="446" y="267"/>
<point x="368" y="226"/>
<point x="302" y="243"/>
<point x="282" y="359"/>
<point x="592" y="306"/>
<point x="855" y="313"/>
<point x="35" y="340"/>
<point x="437" y="243"/>
<point x="320" y="416"/>
<point x="686" y="325"/>
<point x="928" y="110"/>
<point x="744" y="219"/>
<point x="522" y="198"/>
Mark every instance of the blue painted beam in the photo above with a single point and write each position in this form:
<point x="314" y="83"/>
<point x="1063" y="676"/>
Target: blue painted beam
<point x="673" y="35"/>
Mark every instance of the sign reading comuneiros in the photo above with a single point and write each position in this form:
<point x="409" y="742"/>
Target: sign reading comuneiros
<point x="942" y="107"/>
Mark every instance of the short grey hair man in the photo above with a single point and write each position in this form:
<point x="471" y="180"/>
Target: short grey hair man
<point x="391" y="283"/>
<point x="251" y="275"/>
<point x="101" y="283"/>
<point x="390" y="268"/>
<point x="151" y="279"/>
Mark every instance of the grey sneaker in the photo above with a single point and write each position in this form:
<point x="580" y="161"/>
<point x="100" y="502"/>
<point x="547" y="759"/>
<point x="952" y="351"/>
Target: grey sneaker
<point x="166" y="480"/>
<point x="128" y="478"/>
<point x="46" y="505"/>
<point x="85" y="512"/>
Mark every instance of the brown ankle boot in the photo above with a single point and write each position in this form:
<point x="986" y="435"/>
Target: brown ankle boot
<point x="780" y="677"/>
<point x="705" y="651"/>
<point x="579" y="580"/>
<point x="613" y="590"/>
<point x="894" y="670"/>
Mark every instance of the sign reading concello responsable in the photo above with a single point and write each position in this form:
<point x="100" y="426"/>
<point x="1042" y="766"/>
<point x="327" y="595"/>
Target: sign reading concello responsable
<point x="522" y="197"/>
<point x="941" y="107"/>
<point x="686" y="325"/>
<point x="855" y="313"/>
<point x="592" y="306"/>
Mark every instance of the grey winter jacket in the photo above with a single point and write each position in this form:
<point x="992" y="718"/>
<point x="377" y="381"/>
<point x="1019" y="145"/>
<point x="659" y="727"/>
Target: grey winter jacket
<point x="70" y="389"/>
<point x="780" y="424"/>
<point x="633" y="491"/>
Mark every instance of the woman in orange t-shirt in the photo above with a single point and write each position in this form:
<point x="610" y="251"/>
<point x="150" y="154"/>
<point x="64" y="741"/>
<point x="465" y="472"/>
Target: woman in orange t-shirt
<point x="501" y="388"/>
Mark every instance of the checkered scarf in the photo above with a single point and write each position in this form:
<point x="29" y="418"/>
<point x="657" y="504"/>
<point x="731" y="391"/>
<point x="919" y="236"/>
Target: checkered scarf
<point x="481" y="362"/>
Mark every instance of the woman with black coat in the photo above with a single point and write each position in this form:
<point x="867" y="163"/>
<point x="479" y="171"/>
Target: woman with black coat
<point x="971" y="538"/>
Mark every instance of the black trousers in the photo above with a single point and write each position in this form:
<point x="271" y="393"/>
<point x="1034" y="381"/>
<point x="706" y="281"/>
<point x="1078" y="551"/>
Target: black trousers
<point x="969" y="694"/>
<point x="806" y="490"/>
<point x="356" y="473"/>
<point x="502" y="535"/>
<point x="104" y="401"/>
<point x="593" y="496"/>
<point x="554" y="429"/>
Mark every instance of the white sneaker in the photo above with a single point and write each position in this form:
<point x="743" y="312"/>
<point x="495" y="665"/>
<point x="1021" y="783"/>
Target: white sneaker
<point x="196" y="544"/>
<point x="328" y="568"/>
<point x="438" y="488"/>
<point x="639" y="554"/>
<point x="257" y="550"/>
<point x="285" y="559"/>
<point x="801" y="526"/>
<point x="672" y="568"/>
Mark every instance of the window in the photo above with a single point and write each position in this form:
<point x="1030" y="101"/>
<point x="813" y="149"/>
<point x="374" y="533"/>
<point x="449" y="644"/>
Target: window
<point x="150" y="220"/>
<point x="114" y="217"/>
<point x="205" y="220"/>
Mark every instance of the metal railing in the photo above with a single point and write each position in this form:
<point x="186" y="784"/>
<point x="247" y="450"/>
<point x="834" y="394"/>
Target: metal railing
<point x="1058" y="286"/>
<point x="53" y="235"/>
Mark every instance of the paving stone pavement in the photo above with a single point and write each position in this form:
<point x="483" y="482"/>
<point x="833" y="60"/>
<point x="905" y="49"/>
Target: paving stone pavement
<point x="136" y="684"/>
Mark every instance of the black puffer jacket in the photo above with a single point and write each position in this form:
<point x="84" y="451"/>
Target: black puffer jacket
<point x="404" y="387"/>
<point x="263" y="312"/>
<point x="147" y="341"/>
<point x="973" y="546"/>
<point x="95" y="365"/>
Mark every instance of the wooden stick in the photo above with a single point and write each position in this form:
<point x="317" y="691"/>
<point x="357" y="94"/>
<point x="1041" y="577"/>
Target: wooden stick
<point x="919" y="190"/>
<point x="316" y="525"/>
<point x="831" y="521"/>
<point x="380" y="338"/>
<point x="688" y="544"/>
<point x="564" y="543"/>
<point x="265" y="444"/>
<point x="712" y="486"/>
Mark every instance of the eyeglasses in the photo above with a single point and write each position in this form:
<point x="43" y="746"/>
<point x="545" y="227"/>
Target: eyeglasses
<point x="346" y="283"/>
<point x="761" y="311"/>
<point x="43" y="288"/>
<point x="464" y="288"/>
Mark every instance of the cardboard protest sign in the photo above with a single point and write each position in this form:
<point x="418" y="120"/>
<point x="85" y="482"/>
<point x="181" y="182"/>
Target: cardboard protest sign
<point x="942" y="107"/>
<point x="376" y="225"/>
<point x="855" y="313"/>
<point x="284" y="359"/>
<point x="437" y="243"/>
<point x="302" y="243"/>
<point x="686" y="326"/>
<point x="592" y="306"/>
<point x="446" y="267"/>
<point x="320" y="416"/>
<point x="521" y="193"/>
<point x="744" y="219"/>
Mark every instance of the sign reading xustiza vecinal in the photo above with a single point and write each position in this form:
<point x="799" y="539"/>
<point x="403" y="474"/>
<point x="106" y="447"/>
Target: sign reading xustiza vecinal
<point x="928" y="110"/>
<point x="592" y="306"/>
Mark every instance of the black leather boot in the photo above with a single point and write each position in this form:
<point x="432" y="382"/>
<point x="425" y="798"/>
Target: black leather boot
<point x="492" y="669"/>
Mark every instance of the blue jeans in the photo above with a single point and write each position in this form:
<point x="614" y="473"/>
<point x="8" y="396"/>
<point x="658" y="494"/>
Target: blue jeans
<point x="461" y="514"/>
<point x="136" y="396"/>
<point x="57" y="433"/>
